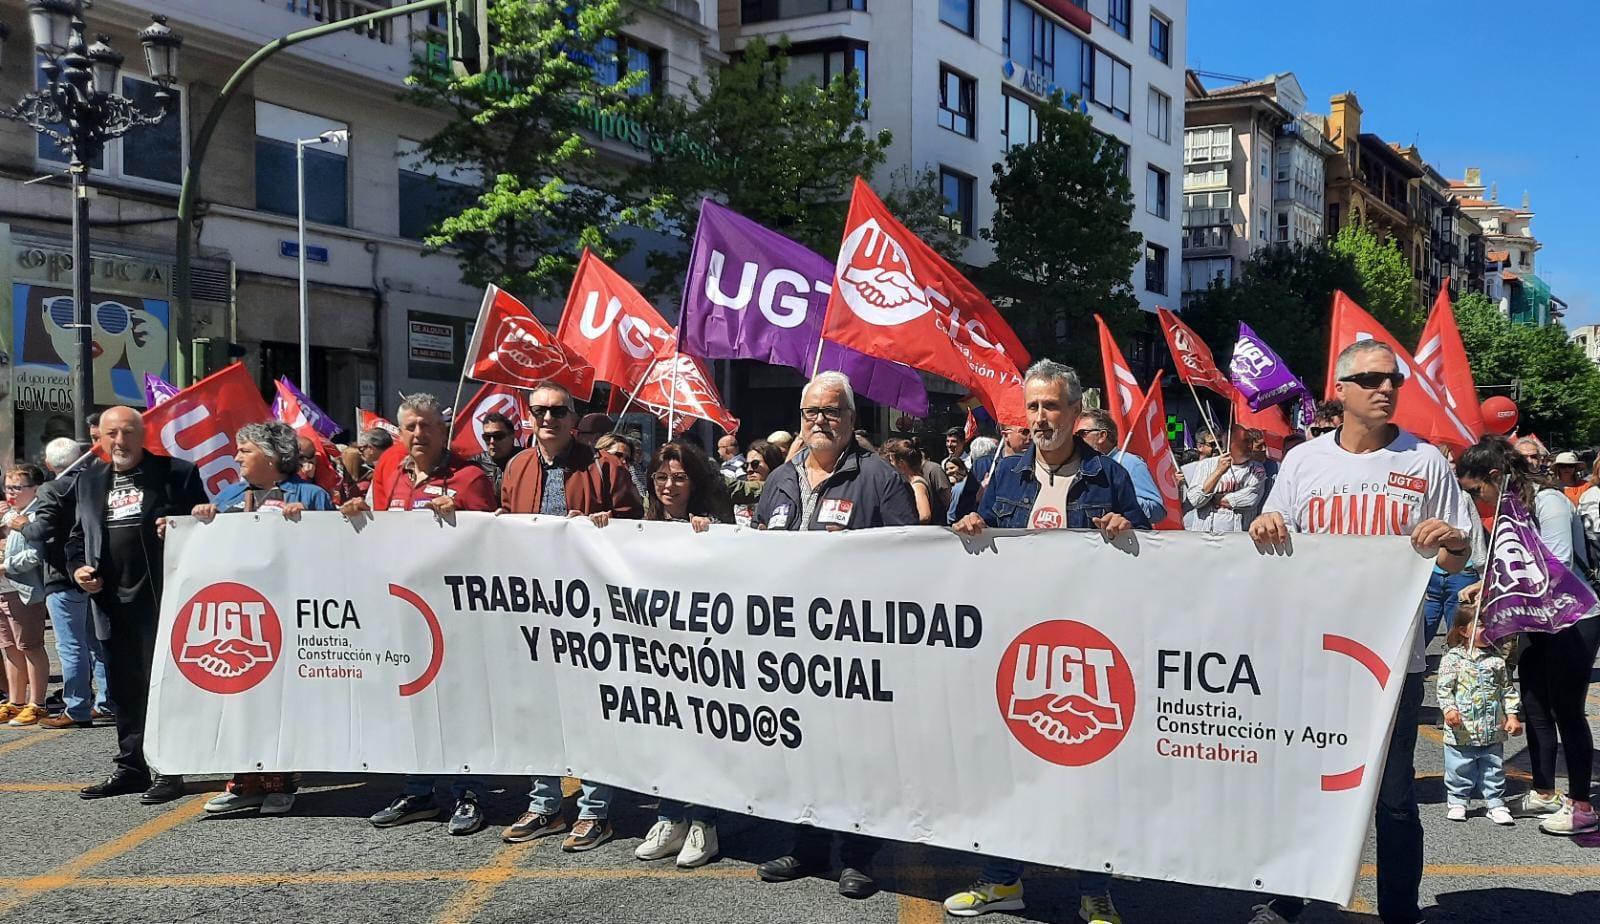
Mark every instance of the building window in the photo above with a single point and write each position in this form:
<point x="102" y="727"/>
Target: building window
<point x="1333" y="219"/>
<point x="147" y="154"/>
<point x="1261" y="225"/>
<point x="768" y="10"/>
<point x="429" y="192"/>
<point x="822" y="62"/>
<point x="957" y="102"/>
<point x="1155" y="191"/>
<point x="1115" y="148"/>
<point x="1155" y="269"/>
<point x="1118" y="15"/>
<point x="1110" y="84"/>
<point x="616" y="59"/>
<point x="957" y="188"/>
<point x="1283" y="227"/>
<point x="1021" y="122"/>
<point x="1208" y="144"/>
<point x="1047" y="52"/>
<point x="958" y="15"/>
<point x="1160" y="39"/>
<point x="1158" y="115"/>
<point x="327" y="165"/>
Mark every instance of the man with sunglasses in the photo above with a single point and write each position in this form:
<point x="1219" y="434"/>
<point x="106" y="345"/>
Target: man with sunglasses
<point x="500" y="435"/>
<point x="1327" y="417"/>
<point x="1369" y="477"/>
<point x="561" y="476"/>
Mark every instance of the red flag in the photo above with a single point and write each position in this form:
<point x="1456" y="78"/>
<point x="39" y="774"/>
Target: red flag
<point x="1269" y="420"/>
<point x="467" y="424"/>
<point x="293" y="413"/>
<point x="1419" y="407"/>
<point x="679" y="388"/>
<point x="1122" y="389"/>
<point x="199" y="423"/>
<point x="511" y="347"/>
<point x="1147" y="439"/>
<point x="607" y="322"/>
<point x="895" y="298"/>
<point x="1442" y="357"/>
<point x="366" y="420"/>
<point x="1192" y="357"/>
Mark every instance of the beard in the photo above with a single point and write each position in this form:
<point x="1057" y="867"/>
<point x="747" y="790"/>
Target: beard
<point x="1051" y="440"/>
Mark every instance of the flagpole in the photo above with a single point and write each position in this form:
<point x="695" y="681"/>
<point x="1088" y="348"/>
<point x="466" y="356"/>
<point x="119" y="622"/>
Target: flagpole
<point x="672" y="398"/>
<point x="640" y="386"/>
<point x="1205" y="417"/>
<point x="1488" y="565"/>
<point x="816" y="364"/>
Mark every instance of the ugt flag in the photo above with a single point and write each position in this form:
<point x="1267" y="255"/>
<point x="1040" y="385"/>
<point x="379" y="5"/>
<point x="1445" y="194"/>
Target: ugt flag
<point x="1191" y="356"/>
<point x="1526" y="587"/>
<point x="467" y="439"/>
<point x="752" y="293"/>
<point x="1260" y="374"/>
<point x="511" y="347"/>
<point x="157" y="390"/>
<point x="895" y="298"/>
<point x="678" y="390"/>
<point x="1443" y="358"/>
<point x="1147" y="439"/>
<point x="199" y="423"/>
<point x="1122" y="389"/>
<point x="612" y="326"/>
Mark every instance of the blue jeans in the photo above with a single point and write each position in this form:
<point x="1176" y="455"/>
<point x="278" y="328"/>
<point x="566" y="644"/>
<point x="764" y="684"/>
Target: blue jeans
<point x="1439" y="605"/>
<point x="82" y="656"/>
<point x="673" y="810"/>
<point x="1001" y="871"/>
<point x="594" y="800"/>
<point x="1475" y="770"/>
<point x="459" y="786"/>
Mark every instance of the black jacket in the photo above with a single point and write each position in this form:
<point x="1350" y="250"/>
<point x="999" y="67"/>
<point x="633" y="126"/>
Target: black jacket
<point x="54" y="511"/>
<point x="172" y="489"/>
<point x="871" y="492"/>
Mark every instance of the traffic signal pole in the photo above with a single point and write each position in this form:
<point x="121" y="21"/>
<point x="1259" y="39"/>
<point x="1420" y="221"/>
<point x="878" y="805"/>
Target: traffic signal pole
<point x="467" y="32"/>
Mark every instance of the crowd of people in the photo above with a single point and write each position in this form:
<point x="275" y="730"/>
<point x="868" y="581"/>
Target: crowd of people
<point x="85" y="547"/>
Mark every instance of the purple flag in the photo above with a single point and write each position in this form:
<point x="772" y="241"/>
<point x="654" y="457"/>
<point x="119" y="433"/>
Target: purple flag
<point x="157" y="390"/>
<point x="1526" y="587"/>
<point x="284" y="409"/>
<point x="1260" y="374"/>
<point x="752" y="293"/>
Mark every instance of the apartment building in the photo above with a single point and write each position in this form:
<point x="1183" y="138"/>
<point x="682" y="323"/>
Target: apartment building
<point x="1510" y="251"/>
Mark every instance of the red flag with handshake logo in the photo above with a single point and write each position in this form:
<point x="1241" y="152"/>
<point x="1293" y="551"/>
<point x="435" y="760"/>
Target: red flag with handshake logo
<point x="1192" y="357"/>
<point x="198" y="424"/>
<point x="510" y="347"/>
<point x="895" y="298"/>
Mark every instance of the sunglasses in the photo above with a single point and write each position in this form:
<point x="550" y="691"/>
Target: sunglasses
<point x="496" y="435"/>
<point x="1372" y="380"/>
<point x="554" y="412"/>
<point x="1318" y="431"/>
<point x="17" y="488"/>
<point x="1080" y="434"/>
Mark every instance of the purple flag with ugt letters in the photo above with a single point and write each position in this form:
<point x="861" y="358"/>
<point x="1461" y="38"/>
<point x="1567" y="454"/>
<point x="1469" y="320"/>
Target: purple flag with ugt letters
<point x="157" y="390"/>
<point x="1526" y="588"/>
<point x="752" y="293"/>
<point x="308" y="412"/>
<point x="1260" y="374"/>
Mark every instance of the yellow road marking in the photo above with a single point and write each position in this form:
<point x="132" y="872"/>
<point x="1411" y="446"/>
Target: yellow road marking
<point x="1361" y="906"/>
<point x="483" y="881"/>
<point x="914" y="910"/>
<point x="29" y="741"/>
<point x="67" y="873"/>
<point x="378" y="876"/>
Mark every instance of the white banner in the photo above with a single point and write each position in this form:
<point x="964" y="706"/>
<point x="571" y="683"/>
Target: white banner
<point x="1010" y="695"/>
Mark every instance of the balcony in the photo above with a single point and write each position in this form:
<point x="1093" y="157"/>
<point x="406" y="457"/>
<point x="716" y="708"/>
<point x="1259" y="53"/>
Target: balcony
<point x="321" y="11"/>
<point x="1206" y="239"/>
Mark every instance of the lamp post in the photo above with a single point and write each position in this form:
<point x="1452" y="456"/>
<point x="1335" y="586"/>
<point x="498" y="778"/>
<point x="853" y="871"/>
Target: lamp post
<point x="339" y="136"/>
<point x="80" y="109"/>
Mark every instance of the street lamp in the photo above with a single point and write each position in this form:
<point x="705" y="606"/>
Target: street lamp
<point x="80" y="109"/>
<point x="338" y="136"/>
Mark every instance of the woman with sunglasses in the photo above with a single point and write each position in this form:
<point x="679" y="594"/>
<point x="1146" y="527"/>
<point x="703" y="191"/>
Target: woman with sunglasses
<point x="759" y="462"/>
<point x="1554" y="668"/>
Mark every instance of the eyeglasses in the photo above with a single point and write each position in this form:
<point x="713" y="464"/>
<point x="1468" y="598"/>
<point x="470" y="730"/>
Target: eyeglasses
<point x="665" y="479"/>
<point x="623" y="454"/>
<point x="1318" y="431"/>
<point x="1080" y="434"/>
<point x="814" y="414"/>
<point x="17" y="488"/>
<point x="554" y="412"/>
<point x="1371" y="380"/>
<point x="1474" y="491"/>
<point x="496" y="435"/>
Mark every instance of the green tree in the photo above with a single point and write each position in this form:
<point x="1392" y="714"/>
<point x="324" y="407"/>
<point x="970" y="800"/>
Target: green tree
<point x="521" y="123"/>
<point x="1388" y="287"/>
<point x="1285" y="294"/>
<point x="916" y="199"/>
<point x="1559" y="388"/>
<point x="1063" y="247"/>
<point x="778" y="150"/>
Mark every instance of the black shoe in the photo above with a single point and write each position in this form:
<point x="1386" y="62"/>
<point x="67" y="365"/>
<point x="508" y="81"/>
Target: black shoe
<point x="853" y="883"/>
<point x="788" y="869"/>
<point x="165" y="789"/>
<point x="468" y="816"/>
<point x="121" y="783"/>
<point x="405" y="810"/>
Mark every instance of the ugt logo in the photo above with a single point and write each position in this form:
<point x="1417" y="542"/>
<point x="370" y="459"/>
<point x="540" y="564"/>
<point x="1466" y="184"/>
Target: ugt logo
<point x="875" y="278"/>
<point x="1065" y="692"/>
<point x="226" y="638"/>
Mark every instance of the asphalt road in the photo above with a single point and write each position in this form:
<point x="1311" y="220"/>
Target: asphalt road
<point x="67" y="860"/>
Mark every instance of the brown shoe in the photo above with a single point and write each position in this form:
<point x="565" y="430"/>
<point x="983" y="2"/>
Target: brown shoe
<point x="587" y="834"/>
<point x="531" y="826"/>
<point x="62" y="720"/>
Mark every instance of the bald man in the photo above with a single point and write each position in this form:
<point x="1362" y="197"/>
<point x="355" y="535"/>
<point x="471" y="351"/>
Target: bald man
<point x="114" y="554"/>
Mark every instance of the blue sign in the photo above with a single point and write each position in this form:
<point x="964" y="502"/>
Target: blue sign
<point x="1032" y="81"/>
<point x="290" y="250"/>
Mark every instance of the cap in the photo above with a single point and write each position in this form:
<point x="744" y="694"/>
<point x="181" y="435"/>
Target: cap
<point x="1567" y="458"/>
<point x="596" y="424"/>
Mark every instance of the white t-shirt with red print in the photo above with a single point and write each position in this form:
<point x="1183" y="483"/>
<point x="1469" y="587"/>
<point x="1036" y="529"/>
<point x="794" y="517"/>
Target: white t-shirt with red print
<point x="1324" y="488"/>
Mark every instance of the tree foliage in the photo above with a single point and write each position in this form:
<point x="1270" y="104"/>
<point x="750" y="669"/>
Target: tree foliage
<point x="916" y="199"/>
<point x="1064" y="250"/>
<point x="1388" y="286"/>
<point x="545" y="192"/>
<point x="780" y="151"/>
<point x="1560" y="388"/>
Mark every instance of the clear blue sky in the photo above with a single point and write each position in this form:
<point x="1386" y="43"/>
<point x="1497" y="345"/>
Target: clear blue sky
<point x="1508" y="88"/>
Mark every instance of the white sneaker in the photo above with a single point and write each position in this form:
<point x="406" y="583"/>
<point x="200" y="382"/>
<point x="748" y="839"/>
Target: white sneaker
<point x="234" y="801"/>
<point x="277" y="803"/>
<point x="1501" y="815"/>
<point x="1570" y="820"/>
<point x="1535" y="804"/>
<point x="699" y="847"/>
<point x="665" y="839"/>
<point x="1456" y="813"/>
